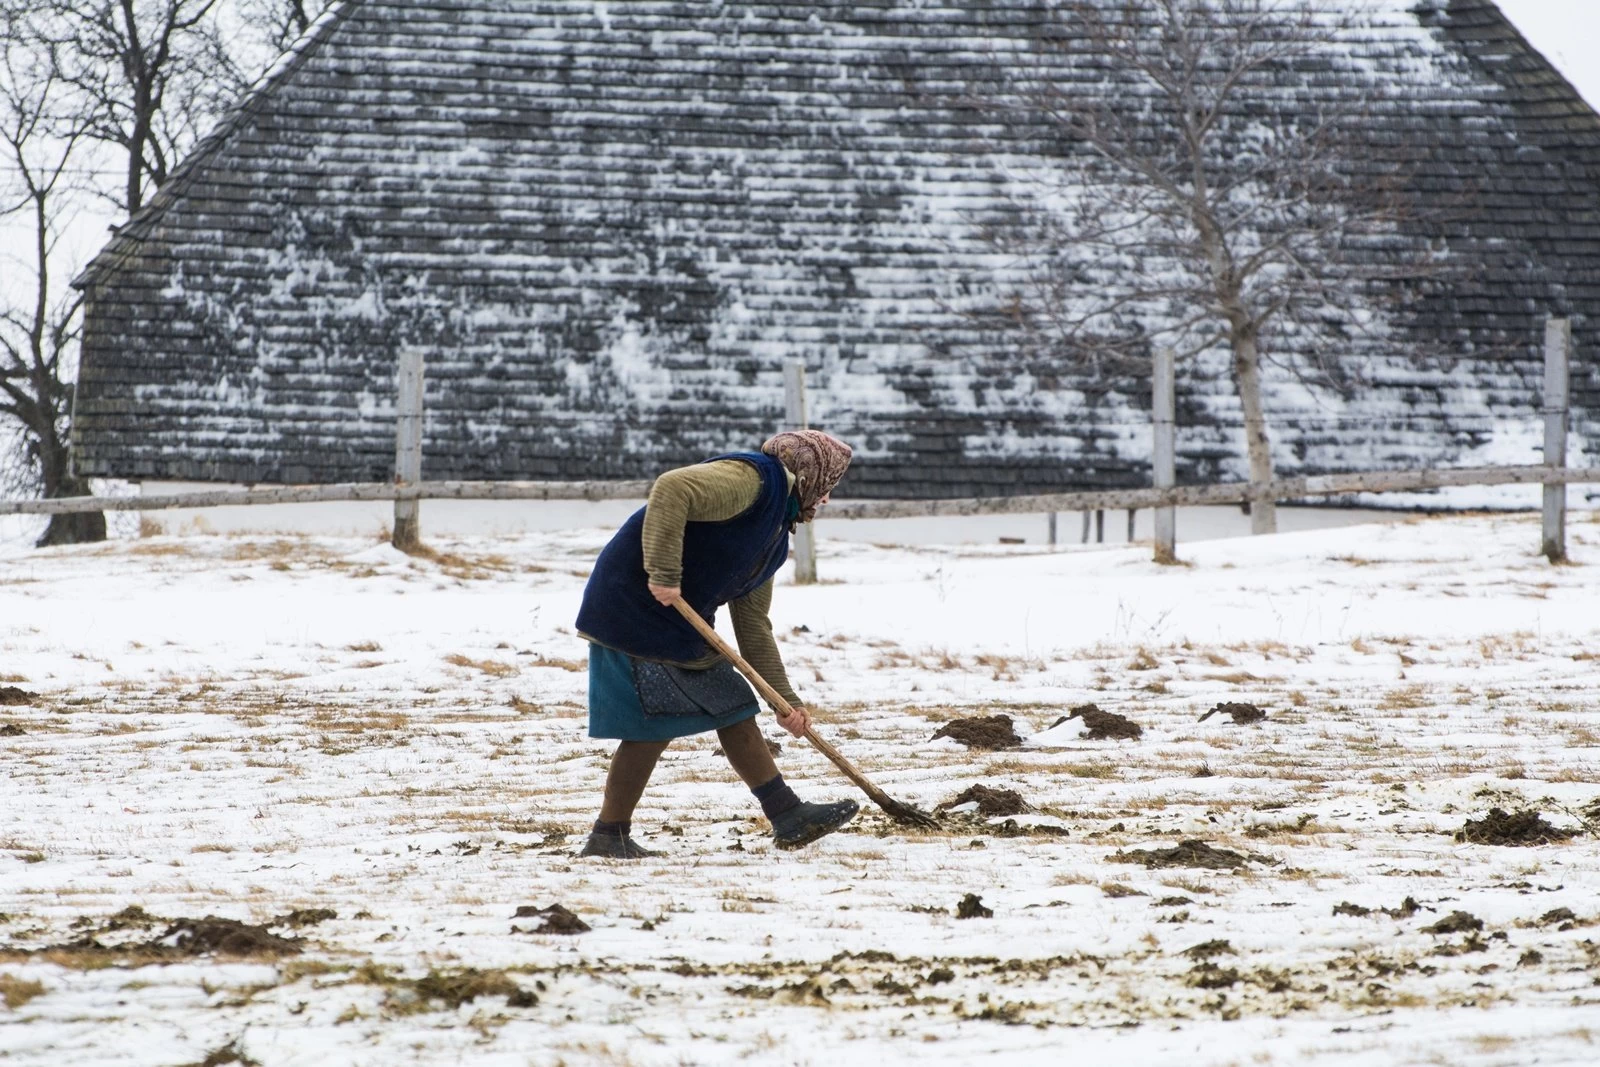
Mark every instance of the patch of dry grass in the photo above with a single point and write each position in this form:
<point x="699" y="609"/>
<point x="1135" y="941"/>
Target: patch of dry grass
<point x="1003" y="668"/>
<point x="1518" y="645"/>
<point x="17" y="991"/>
<point x="87" y="959"/>
<point x="1403" y="698"/>
<point x="575" y="666"/>
<point x="279" y="550"/>
<point x="357" y="720"/>
<point x="1238" y="678"/>
<point x="1143" y="660"/>
<point x="493" y="668"/>
<point x="475" y="567"/>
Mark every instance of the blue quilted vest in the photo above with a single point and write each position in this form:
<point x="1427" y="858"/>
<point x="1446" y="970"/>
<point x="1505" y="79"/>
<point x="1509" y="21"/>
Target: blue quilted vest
<point x="722" y="561"/>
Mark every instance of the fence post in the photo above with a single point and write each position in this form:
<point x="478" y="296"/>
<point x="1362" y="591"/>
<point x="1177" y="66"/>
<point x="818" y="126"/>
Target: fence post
<point x="794" y="416"/>
<point x="1163" y="414"/>
<point x="1557" y="352"/>
<point x="407" y="536"/>
<point x="1052" y="528"/>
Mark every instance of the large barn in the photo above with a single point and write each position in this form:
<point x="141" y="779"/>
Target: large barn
<point x="607" y="226"/>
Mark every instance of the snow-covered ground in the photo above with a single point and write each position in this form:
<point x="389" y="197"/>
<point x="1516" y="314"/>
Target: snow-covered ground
<point x="247" y="727"/>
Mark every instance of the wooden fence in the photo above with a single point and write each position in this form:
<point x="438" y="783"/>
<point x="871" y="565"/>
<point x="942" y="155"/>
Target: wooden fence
<point x="1164" y="496"/>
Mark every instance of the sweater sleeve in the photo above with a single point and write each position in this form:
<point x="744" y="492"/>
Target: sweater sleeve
<point x="752" y="628"/>
<point x="705" y="492"/>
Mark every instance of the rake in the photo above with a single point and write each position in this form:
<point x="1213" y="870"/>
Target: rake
<point x="899" y="811"/>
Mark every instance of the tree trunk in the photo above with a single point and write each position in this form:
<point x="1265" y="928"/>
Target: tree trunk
<point x="1247" y="377"/>
<point x="78" y="528"/>
<point x="134" y="186"/>
<point x="60" y="480"/>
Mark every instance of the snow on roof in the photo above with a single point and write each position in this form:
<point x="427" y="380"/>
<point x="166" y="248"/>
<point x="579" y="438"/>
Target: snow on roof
<point x="608" y="226"/>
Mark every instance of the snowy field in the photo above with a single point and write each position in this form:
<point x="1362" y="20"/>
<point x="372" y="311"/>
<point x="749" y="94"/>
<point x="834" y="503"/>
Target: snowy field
<point x="371" y="762"/>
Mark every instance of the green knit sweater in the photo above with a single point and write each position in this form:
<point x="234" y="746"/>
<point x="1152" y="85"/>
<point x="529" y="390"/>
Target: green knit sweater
<point x="713" y="492"/>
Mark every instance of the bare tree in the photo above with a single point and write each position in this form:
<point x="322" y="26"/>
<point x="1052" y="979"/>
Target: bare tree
<point x="1216" y="192"/>
<point x="39" y="323"/>
<point x="147" y="77"/>
<point x="135" y="80"/>
<point x="277" y="24"/>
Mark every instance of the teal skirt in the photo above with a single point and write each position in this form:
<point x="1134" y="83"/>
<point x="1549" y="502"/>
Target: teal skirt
<point x="640" y="700"/>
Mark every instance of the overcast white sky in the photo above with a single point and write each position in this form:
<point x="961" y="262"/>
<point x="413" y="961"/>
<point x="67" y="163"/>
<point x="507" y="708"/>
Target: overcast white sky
<point x="1568" y="33"/>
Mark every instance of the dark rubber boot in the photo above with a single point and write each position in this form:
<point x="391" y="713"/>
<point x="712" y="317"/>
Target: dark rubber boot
<point x="805" y="823"/>
<point x="615" y="847"/>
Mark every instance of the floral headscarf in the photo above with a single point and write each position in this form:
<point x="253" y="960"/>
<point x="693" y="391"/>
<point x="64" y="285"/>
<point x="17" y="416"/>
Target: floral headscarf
<point x="817" y="461"/>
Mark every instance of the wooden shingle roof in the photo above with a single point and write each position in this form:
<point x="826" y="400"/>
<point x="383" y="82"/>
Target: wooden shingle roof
<point x="607" y="225"/>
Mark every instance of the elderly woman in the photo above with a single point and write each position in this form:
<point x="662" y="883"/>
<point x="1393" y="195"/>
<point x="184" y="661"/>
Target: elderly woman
<point x="711" y="534"/>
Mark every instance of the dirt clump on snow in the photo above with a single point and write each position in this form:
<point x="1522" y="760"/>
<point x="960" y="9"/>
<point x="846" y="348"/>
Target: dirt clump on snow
<point x="1408" y="907"/>
<point x="1210" y="976"/>
<point x="304" y="917"/>
<point x="133" y="916"/>
<point x="1241" y="714"/>
<point x="1591" y="815"/>
<point x="11" y="729"/>
<point x="456" y="988"/>
<point x="1114" y="890"/>
<point x="556" y="920"/>
<point x="1012" y="828"/>
<point x="1102" y="725"/>
<point x="971" y="907"/>
<point x="1457" y="922"/>
<point x="803" y="993"/>
<point x="990" y="801"/>
<point x="12" y="697"/>
<point x="988" y="731"/>
<point x="223" y="937"/>
<point x="225" y="1054"/>
<point x="438" y="990"/>
<point x="808" y="992"/>
<point x="1514" y="828"/>
<point x="1190" y="853"/>
<point x="181" y="939"/>
<point x="1206" y="949"/>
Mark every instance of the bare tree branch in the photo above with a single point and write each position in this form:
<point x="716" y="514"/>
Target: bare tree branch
<point x="280" y="23"/>
<point x="138" y="79"/>
<point x="146" y="76"/>
<point x="38" y="327"/>
<point x="1201" y="195"/>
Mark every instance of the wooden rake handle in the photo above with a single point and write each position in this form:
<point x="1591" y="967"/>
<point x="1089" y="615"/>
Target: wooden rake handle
<point x="771" y="695"/>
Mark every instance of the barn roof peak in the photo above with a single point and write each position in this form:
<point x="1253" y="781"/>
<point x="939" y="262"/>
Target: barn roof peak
<point x="125" y="240"/>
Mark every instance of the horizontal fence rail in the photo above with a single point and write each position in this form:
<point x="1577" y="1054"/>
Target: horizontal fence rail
<point x="1227" y="493"/>
<point x="1095" y="500"/>
<point x="340" y="491"/>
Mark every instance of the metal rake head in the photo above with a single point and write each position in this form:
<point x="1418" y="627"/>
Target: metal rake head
<point x="905" y="813"/>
